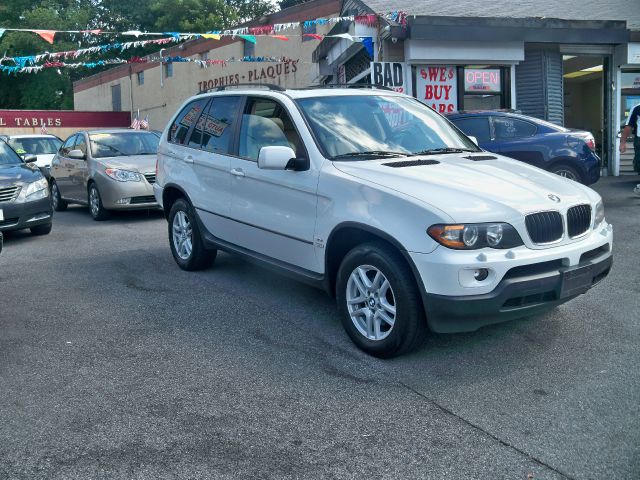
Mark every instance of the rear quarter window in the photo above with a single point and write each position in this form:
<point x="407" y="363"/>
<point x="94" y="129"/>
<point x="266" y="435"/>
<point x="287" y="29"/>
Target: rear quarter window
<point x="187" y="117"/>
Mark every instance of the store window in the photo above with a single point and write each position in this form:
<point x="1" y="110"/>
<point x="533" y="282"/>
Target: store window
<point x="140" y="78"/>
<point x="450" y="88"/>
<point x="168" y="70"/>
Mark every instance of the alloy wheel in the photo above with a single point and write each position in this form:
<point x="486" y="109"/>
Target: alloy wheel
<point x="566" y="174"/>
<point x="182" y="235"/>
<point x="94" y="201"/>
<point x="371" y="302"/>
<point x="54" y="196"/>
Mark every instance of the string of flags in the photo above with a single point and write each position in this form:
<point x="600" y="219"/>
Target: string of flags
<point x="262" y="30"/>
<point x="38" y="62"/>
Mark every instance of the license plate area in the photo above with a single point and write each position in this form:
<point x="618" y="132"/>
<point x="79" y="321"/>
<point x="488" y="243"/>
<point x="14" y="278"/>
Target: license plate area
<point x="577" y="281"/>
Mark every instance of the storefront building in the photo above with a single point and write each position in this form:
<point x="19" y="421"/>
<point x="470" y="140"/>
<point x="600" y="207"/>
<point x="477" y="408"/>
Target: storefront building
<point x="575" y="64"/>
<point x="156" y="90"/>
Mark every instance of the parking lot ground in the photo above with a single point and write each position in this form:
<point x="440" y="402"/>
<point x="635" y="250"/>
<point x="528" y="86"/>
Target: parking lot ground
<point x="116" y="364"/>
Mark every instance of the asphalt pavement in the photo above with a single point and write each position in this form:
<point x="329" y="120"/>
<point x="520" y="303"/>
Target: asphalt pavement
<point x="115" y="364"/>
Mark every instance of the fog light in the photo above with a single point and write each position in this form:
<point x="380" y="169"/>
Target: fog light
<point x="124" y="201"/>
<point x="481" y="274"/>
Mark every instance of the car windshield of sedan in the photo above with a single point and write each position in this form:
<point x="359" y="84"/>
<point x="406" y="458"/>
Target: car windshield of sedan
<point x="35" y="145"/>
<point x="123" y="144"/>
<point x="8" y="156"/>
<point x="361" y="127"/>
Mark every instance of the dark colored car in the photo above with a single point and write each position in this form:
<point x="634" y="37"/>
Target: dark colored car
<point x="24" y="194"/>
<point x="569" y="153"/>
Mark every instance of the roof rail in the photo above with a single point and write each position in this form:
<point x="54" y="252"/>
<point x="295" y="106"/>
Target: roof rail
<point x="268" y="86"/>
<point x="351" y="85"/>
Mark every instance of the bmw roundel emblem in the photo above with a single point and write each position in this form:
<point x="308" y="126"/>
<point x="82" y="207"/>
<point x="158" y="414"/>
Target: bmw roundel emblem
<point x="554" y="198"/>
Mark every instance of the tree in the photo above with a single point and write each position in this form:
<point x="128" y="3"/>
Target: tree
<point x="290" y="3"/>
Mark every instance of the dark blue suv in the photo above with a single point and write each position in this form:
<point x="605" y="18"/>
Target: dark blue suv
<point x="569" y="153"/>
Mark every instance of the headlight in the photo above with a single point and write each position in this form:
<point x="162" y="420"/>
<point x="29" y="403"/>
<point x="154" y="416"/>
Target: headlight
<point x="34" y="191"/>
<point x="123" y="175"/>
<point x="472" y="236"/>
<point x="599" y="216"/>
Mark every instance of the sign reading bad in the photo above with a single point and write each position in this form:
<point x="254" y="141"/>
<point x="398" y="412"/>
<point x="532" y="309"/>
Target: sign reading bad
<point x="389" y="74"/>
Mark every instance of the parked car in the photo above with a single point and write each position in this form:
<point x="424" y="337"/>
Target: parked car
<point x="568" y="153"/>
<point x="376" y="198"/>
<point x="106" y="170"/>
<point x="44" y="147"/>
<point x="24" y="194"/>
<point x="1" y="241"/>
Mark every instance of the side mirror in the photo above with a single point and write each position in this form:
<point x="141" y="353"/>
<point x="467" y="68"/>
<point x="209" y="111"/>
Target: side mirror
<point x="29" y="158"/>
<point x="276" y="158"/>
<point x="473" y="139"/>
<point x="77" y="154"/>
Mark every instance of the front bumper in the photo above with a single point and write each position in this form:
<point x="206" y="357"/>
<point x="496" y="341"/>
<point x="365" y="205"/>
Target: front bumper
<point x="520" y="295"/>
<point x="26" y="215"/>
<point x="125" y="195"/>
<point x="520" y="282"/>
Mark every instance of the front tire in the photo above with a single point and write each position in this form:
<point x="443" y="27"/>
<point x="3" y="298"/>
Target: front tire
<point x="98" y="212"/>
<point x="184" y="238"/>
<point x="59" y="205"/>
<point x="41" y="229"/>
<point x="379" y="301"/>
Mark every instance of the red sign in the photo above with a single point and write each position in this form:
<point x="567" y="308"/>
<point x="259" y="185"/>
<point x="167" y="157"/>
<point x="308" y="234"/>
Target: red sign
<point x="437" y="86"/>
<point x="62" y="119"/>
<point x="482" y="80"/>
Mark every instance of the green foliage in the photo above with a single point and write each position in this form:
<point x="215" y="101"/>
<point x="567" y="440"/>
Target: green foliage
<point x="290" y="3"/>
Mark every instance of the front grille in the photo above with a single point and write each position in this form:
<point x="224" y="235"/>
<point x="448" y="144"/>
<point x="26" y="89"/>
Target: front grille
<point x="578" y="220"/>
<point x="9" y="193"/>
<point x="151" y="177"/>
<point x="544" y="227"/>
<point x="143" y="199"/>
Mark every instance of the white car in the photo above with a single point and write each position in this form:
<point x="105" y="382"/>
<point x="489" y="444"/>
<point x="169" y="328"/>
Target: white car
<point x="376" y="198"/>
<point x="44" y="147"/>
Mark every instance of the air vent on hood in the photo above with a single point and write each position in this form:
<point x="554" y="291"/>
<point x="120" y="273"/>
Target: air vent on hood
<point x="477" y="158"/>
<point x="411" y="163"/>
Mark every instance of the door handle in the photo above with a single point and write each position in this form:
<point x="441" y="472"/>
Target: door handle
<point x="188" y="159"/>
<point x="238" y="172"/>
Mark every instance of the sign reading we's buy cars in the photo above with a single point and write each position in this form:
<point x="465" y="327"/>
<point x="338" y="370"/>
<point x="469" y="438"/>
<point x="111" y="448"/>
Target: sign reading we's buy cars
<point x="437" y="86"/>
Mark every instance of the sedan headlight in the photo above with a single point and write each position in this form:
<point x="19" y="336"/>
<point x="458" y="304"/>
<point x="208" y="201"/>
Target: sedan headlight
<point x="599" y="215"/>
<point x="34" y="191"/>
<point x="123" y="175"/>
<point x="472" y="236"/>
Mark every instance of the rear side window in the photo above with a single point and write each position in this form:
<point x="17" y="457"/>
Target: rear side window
<point x="185" y="120"/>
<point x="507" y="127"/>
<point x="474" y="127"/>
<point x="218" y="124"/>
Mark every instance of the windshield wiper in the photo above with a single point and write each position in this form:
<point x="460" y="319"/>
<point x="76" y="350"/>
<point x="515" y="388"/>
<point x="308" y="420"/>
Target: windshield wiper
<point x="370" y="153"/>
<point x="436" y="151"/>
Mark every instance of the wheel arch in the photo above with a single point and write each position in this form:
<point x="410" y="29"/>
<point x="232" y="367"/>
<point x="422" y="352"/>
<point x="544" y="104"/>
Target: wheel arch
<point x="571" y="162"/>
<point x="170" y="194"/>
<point x="348" y="235"/>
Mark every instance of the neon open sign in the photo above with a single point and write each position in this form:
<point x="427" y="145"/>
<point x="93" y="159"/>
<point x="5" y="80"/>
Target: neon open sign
<point x="482" y="80"/>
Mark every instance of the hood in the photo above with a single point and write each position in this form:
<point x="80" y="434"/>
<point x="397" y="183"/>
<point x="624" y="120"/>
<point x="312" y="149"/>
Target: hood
<point x="474" y="191"/>
<point x="18" y="174"/>
<point x="133" y="163"/>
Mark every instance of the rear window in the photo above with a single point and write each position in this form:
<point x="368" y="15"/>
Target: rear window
<point x="185" y="120"/>
<point x="507" y="127"/>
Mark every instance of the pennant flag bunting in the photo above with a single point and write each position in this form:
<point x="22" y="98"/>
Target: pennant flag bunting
<point x="212" y="36"/>
<point x="248" y="38"/>
<point x="280" y="37"/>
<point x="46" y="34"/>
<point x="2" y="30"/>
<point x="313" y="35"/>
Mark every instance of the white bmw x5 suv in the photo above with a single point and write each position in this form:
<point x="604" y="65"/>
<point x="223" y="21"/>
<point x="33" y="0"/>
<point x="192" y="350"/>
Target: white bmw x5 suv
<point x="382" y="202"/>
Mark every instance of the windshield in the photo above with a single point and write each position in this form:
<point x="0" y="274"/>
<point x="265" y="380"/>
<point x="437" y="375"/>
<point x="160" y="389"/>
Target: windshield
<point x="359" y="127"/>
<point x="36" y="145"/>
<point x="7" y="155"/>
<point x="123" y="144"/>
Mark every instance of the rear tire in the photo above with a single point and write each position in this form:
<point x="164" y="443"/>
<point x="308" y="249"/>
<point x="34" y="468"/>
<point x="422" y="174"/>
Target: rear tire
<point x="97" y="210"/>
<point x="59" y="205"/>
<point x="379" y="301"/>
<point x="567" y="171"/>
<point x="185" y="241"/>
<point x="41" y="229"/>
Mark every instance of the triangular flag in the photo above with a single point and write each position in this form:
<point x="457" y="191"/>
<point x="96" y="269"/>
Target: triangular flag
<point x="137" y="33"/>
<point x="46" y="34"/>
<point x="2" y="30"/>
<point x="249" y="38"/>
<point x="346" y="36"/>
<point x="213" y="36"/>
<point x="313" y="35"/>
<point x="94" y="32"/>
<point x="280" y="37"/>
